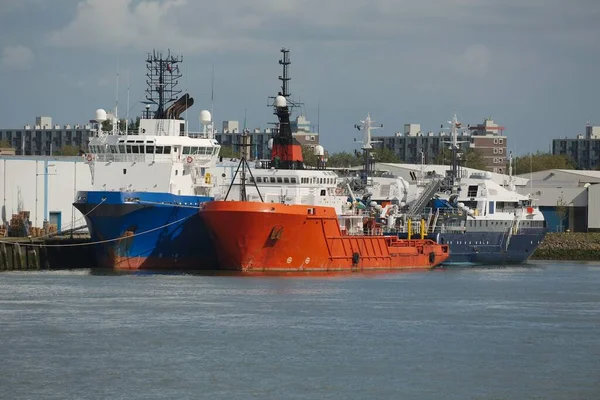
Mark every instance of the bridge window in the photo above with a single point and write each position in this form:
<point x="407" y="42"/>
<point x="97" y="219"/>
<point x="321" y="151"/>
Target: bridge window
<point x="293" y="180"/>
<point x="186" y="150"/>
<point x="279" y="180"/>
<point x="150" y="149"/>
<point x="158" y="149"/>
<point x="167" y="150"/>
<point x="286" y="180"/>
<point x="272" y="179"/>
<point x="135" y="149"/>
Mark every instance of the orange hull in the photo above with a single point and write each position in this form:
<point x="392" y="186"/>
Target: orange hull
<point x="253" y="236"/>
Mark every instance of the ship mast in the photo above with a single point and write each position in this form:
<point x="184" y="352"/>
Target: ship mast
<point x="162" y="78"/>
<point x="287" y="151"/>
<point x="366" y="126"/>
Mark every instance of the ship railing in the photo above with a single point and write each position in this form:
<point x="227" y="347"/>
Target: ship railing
<point x="119" y="157"/>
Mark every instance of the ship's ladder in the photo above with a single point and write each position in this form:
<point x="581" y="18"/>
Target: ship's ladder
<point x="435" y="218"/>
<point x="427" y="194"/>
<point x="513" y="229"/>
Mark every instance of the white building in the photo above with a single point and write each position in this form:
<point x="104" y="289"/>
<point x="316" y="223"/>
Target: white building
<point x="44" y="186"/>
<point x="578" y="191"/>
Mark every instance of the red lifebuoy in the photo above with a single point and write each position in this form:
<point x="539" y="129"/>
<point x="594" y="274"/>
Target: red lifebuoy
<point x="189" y="159"/>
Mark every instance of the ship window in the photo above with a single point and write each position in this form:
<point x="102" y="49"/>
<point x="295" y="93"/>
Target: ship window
<point x="258" y="179"/>
<point x="124" y="171"/>
<point x="272" y="179"/>
<point x="139" y="141"/>
<point x="480" y="223"/>
<point x="129" y="149"/>
<point x="279" y="180"/>
<point x="293" y="180"/>
<point x="176" y="172"/>
<point x="323" y="192"/>
<point x="205" y="150"/>
<point x="167" y="150"/>
<point x="251" y="179"/>
<point x="472" y="191"/>
<point x="186" y="150"/>
<point x="286" y="180"/>
<point x="491" y="207"/>
<point x="150" y="149"/>
<point x="122" y="148"/>
<point x="135" y="149"/>
<point x="158" y="149"/>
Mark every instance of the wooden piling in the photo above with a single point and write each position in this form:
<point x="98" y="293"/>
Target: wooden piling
<point x="34" y="260"/>
<point x="3" y="257"/>
<point x="18" y="255"/>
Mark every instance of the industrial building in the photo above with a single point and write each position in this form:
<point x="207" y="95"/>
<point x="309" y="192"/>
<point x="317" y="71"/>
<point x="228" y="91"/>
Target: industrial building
<point x="584" y="150"/>
<point x="412" y="145"/>
<point x="569" y="199"/>
<point x="45" y="187"/>
<point x="43" y="137"/>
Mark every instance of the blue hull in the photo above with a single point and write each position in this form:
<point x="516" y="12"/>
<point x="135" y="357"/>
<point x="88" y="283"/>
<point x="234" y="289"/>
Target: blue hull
<point x="141" y="230"/>
<point x="489" y="248"/>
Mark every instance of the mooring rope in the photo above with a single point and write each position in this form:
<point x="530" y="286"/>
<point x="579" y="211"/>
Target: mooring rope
<point x="93" y="243"/>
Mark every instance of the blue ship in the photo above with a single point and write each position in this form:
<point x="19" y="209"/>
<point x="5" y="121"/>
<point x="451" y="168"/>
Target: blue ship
<point x="144" y="230"/>
<point x="148" y="182"/>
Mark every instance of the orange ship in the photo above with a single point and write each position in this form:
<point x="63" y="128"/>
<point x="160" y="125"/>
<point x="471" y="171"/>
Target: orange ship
<point x="263" y="237"/>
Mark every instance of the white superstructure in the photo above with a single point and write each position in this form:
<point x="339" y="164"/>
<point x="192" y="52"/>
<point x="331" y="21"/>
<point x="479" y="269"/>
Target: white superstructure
<point x="162" y="156"/>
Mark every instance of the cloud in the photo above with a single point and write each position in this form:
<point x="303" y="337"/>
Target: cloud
<point x="475" y="61"/>
<point x="17" y="57"/>
<point x="196" y="27"/>
<point x="106" y="25"/>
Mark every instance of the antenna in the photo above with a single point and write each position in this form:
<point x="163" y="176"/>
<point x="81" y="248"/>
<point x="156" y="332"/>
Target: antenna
<point x="116" y="122"/>
<point x="127" y="114"/>
<point x="212" y="97"/>
<point x="319" y="116"/>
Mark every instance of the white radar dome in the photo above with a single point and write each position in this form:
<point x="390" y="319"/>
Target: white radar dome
<point x="205" y="117"/>
<point x="319" y="150"/>
<point x="100" y="115"/>
<point x="280" y="102"/>
<point x="270" y="144"/>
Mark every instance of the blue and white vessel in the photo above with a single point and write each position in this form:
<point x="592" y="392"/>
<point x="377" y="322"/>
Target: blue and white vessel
<point x="482" y="222"/>
<point x="148" y="183"/>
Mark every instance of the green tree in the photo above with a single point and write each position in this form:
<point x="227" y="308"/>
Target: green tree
<point x="385" y="155"/>
<point x="228" y="152"/>
<point x="541" y="161"/>
<point x="67" y="150"/>
<point x="343" y="160"/>
<point x="134" y="125"/>
<point x="4" y="144"/>
<point x="122" y="125"/>
<point x="107" y="126"/>
<point x="309" y="157"/>
<point x="561" y="211"/>
<point x="471" y="158"/>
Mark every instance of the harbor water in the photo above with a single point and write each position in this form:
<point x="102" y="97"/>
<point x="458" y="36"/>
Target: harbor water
<point x="530" y="332"/>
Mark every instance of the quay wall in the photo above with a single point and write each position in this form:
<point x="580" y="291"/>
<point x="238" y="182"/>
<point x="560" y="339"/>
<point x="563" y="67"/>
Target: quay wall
<point x="570" y="246"/>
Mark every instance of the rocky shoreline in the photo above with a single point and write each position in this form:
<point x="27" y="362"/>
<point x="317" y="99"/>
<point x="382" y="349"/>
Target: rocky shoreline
<point x="569" y="246"/>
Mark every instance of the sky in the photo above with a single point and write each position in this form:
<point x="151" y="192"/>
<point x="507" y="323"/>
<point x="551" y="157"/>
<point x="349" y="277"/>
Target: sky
<point x="531" y="65"/>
